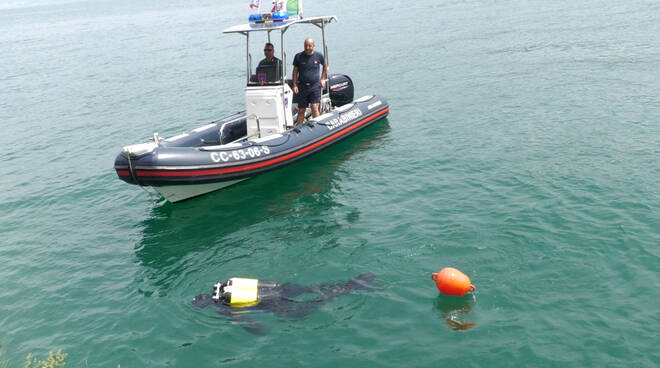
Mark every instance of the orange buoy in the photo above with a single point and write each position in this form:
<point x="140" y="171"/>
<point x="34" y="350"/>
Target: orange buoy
<point x="451" y="281"/>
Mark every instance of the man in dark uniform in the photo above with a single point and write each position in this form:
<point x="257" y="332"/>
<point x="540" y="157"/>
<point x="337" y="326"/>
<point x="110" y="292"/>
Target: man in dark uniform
<point x="306" y="82"/>
<point x="270" y="59"/>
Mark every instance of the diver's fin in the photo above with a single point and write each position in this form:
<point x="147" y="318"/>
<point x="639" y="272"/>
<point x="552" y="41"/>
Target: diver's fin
<point x="359" y="283"/>
<point x="365" y="279"/>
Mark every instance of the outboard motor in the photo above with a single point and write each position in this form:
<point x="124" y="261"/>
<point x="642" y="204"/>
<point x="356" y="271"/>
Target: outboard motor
<point x="341" y="89"/>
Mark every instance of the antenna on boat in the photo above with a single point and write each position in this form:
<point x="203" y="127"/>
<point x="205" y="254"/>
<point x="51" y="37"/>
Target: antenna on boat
<point x="325" y="54"/>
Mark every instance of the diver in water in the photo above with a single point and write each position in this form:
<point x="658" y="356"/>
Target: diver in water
<point x="238" y="297"/>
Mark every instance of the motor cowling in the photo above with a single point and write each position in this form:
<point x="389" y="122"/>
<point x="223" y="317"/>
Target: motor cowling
<point x="341" y="89"/>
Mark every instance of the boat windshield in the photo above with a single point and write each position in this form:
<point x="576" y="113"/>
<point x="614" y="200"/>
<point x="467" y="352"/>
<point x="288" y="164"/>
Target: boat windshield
<point x="267" y="72"/>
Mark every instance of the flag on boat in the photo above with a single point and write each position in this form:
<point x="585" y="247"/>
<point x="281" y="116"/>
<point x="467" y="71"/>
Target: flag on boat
<point x="278" y="6"/>
<point x="292" y="7"/>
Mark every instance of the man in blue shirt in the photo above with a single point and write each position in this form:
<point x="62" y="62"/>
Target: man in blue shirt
<point x="306" y="82"/>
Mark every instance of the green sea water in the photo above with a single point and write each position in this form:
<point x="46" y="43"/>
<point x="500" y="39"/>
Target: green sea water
<point x="522" y="147"/>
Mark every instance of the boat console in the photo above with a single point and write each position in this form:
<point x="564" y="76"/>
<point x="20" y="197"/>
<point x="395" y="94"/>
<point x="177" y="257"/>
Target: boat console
<point x="268" y="110"/>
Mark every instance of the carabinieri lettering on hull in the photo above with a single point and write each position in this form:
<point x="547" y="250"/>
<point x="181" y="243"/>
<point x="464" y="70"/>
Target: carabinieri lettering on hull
<point x="343" y="119"/>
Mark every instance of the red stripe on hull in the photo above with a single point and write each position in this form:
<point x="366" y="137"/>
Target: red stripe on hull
<point x="257" y="165"/>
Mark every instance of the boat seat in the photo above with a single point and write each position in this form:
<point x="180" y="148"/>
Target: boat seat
<point x="233" y="131"/>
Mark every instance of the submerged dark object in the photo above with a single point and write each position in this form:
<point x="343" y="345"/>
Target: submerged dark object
<point x="237" y="298"/>
<point x="454" y="310"/>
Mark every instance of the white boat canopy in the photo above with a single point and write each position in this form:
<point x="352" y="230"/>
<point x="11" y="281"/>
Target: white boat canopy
<point x="283" y="26"/>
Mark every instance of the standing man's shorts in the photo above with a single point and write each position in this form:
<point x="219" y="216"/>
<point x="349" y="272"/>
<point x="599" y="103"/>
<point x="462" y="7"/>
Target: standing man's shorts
<point x="309" y="94"/>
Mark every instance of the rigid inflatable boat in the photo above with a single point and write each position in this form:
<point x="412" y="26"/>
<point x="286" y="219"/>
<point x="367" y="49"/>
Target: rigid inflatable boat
<point x="260" y="139"/>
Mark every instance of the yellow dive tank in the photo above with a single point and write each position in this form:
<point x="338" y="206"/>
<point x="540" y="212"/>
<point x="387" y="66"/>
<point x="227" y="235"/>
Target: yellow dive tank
<point x="241" y="292"/>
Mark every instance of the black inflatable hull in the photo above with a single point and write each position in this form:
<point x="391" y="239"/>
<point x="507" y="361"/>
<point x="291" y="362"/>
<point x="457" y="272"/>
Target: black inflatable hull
<point x="202" y="161"/>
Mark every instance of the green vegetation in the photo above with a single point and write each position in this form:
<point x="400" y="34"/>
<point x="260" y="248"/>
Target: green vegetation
<point x="3" y="362"/>
<point x="51" y="362"/>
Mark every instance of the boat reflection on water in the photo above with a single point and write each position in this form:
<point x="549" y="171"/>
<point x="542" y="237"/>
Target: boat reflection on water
<point x="454" y="310"/>
<point x="305" y="189"/>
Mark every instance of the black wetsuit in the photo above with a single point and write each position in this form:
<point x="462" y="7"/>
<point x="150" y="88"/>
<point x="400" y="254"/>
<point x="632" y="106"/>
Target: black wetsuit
<point x="281" y="301"/>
